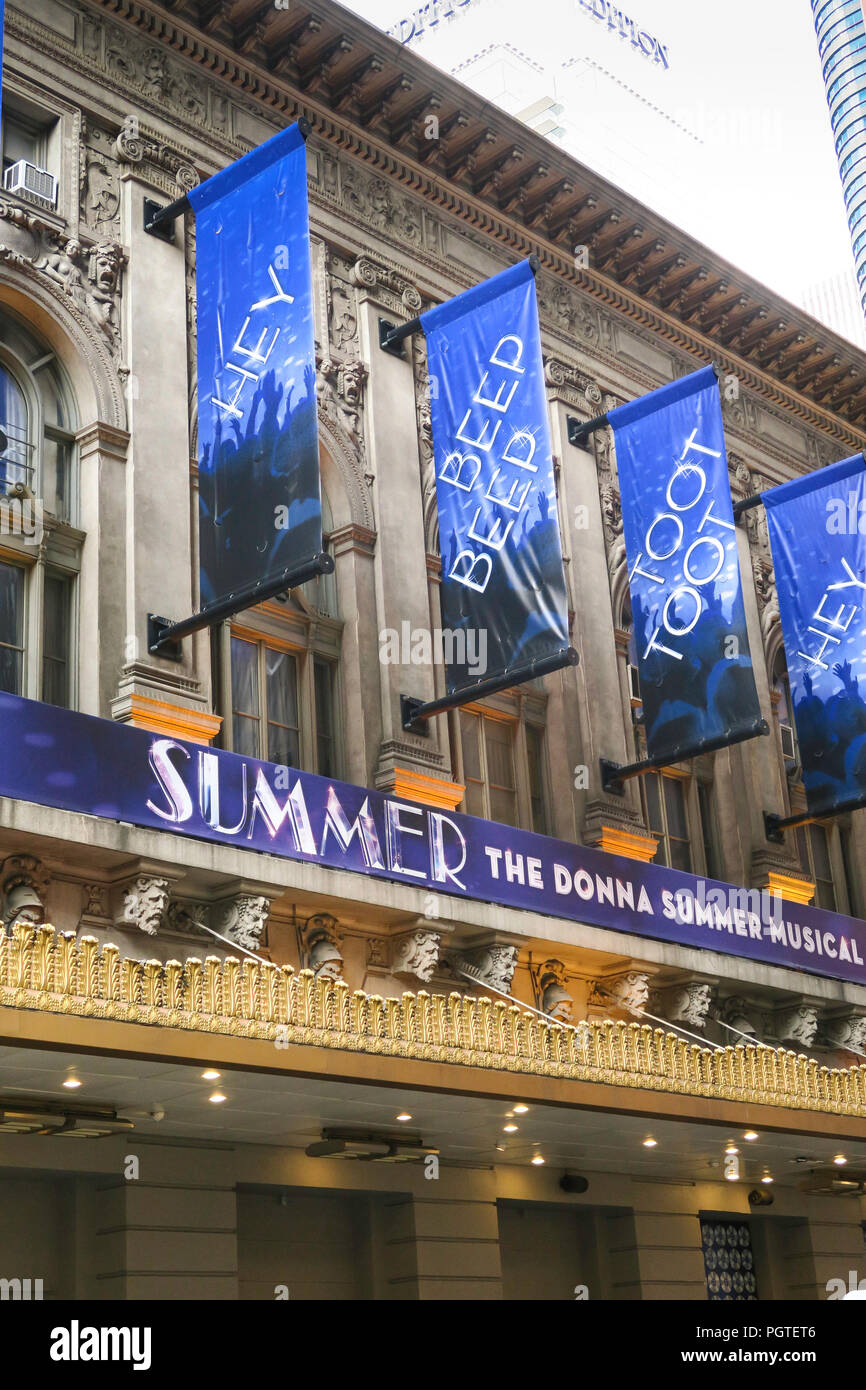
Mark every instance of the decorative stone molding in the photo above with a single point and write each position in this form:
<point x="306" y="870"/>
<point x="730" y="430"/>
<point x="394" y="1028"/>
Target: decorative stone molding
<point x="162" y="717"/>
<point x="416" y="953"/>
<point x="411" y="785"/>
<point x="23" y="885"/>
<point x="631" y="846"/>
<point x="795" y="1025"/>
<point x="87" y="278"/>
<point x="144" y="904"/>
<point x="845" y="1030"/>
<point x="687" y="1002"/>
<point x="740" y="1014"/>
<point x="95" y="910"/>
<point x="385" y="284"/>
<point x="189" y="919"/>
<point x="321" y="943"/>
<point x="551" y="991"/>
<point x="628" y="990"/>
<point x="492" y="965"/>
<point x="243" y="919"/>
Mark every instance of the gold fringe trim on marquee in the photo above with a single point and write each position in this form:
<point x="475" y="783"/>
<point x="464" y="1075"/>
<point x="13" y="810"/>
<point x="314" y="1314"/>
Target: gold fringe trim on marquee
<point x="57" y="972"/>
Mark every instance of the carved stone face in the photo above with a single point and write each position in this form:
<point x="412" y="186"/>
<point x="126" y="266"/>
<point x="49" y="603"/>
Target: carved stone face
<point x="800" y="1026"/>
<point x="632" y="989"/>
<point x="105" y="268"/>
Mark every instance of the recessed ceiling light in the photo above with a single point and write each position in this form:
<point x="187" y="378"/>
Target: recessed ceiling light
<point x="650" y="1143"/>
<point x="538" y="1160"/>
<point x="840" y="1160"/>
<point x="404" y="1116"/>
<point x="210" y="1075"/>
<point x="520" y="1109"/>
<point x="217" y="1098"/>
<point x="731" y="1148"/>
<point x="766" y="1178"/>
<point x="750" y="1136"/>
<point x="72" y="1083"/>
<point x="510" y="1129"/>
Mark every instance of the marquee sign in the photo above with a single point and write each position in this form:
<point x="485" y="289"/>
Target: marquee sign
<point x="55" y="757"/>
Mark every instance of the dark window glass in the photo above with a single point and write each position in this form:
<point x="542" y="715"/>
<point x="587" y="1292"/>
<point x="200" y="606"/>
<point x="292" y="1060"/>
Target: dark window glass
<point x="245" y="697"/>
<point x="470" y="726"/>
<point x="535" y="756"/>
<point x="499" y="744"/>
<point x="281" y="670"/>
<point x="11" y="629"/>
<point x="55" y="642"/>
<point x="323" y="677"/>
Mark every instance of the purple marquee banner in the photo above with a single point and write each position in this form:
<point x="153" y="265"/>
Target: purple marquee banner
<point x="58" y="758"/>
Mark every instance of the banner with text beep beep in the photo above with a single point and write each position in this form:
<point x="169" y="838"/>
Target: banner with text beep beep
<point x="503" y="587"/>
<point x="696" y="676"/>
<point x="260" y="504"/>
<point x="819" y="558"/>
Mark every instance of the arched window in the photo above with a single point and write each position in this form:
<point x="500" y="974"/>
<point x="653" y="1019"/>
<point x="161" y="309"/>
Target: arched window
<point x="40" y="552"/>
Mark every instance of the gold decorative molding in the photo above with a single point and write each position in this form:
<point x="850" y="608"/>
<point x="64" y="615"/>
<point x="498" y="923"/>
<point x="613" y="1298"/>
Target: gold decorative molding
<point x="431" y="791"/>
<point x="176" y="721"/>
<point x="796" y="890"/>
<point x="630" y="846"/>
<point x="44" y="970"/>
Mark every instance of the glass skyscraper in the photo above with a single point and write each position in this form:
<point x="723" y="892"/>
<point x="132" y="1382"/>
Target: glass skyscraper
<point x="841" y="29"/>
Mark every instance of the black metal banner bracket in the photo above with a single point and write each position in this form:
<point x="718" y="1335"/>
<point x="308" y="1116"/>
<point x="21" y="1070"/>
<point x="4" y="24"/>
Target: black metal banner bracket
<point x="775" y="826"/>
<point x="415" y="713"/>
<point x="615" y="775"/>
<point x="163" y="636"/>
<point x="392" y="335"/>
<point x="580" y="430"/>
<point x="159" y="219"/>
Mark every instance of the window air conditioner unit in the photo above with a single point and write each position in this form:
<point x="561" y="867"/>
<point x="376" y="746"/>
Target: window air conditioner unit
<point x="634" y="683"/>
<point x="789" y="749"/>
<point x="23" y="177"/>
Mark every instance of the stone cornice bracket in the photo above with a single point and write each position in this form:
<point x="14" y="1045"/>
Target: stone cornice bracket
<point x="794" y="1024"/>
<point x="242" y="919"/>
<point x="141" y="152"/>
<point x="491" y="965"/>
<point x="144" y="904"/>
<point x="844" y="1029"/>
<point x="552" y="995"/>
<point x="385" y="286"/>
<point x="627" y="990"/>
<point x="415" y="953"/>
<point x="687" y="1002"/>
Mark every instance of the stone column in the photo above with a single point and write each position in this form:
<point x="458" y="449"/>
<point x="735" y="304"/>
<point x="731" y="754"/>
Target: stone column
<point x="401" y="570"/>
<point x="441" y="1240"/>
<point x="158" y="544"/>
<point x="170" y="1235"/>
<point x="595" y="684"/>
<point x="655" y="1249"/>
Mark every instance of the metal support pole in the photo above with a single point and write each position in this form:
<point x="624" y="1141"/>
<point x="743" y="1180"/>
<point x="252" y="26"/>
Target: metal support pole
<point x="615" y="775"/>
<point x="579" y="430"/>
<point x="164" y="638"/>
<point x="414" y="713"/>
<point x="391" y="336"/>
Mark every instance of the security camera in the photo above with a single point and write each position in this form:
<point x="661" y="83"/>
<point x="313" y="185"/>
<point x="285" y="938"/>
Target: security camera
<point x="757" y="1198"/>
<point x="571" y="1182"/>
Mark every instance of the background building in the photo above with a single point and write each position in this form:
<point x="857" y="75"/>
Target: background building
<point x="366" y="1011"/>
<point x="840" y="26"/>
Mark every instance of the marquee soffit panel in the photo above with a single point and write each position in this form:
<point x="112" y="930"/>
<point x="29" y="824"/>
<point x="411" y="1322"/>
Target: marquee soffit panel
<point x="366" y="94"/>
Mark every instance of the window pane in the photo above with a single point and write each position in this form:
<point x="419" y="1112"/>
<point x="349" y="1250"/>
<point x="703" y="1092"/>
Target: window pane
<point x="820" y="852"/>
<point x="653" y="803"/>
<point x="323" y="680"/>
<point x="469" y="736"/>
<point x="16" y="462"/>
<point x="675" y="806"/>
<point x="55" y="639"/>
<point x="498" y="739"/>
<point x="282" y="695"/>
<point x="245" y="697"/>
<point x="11" y="628"/>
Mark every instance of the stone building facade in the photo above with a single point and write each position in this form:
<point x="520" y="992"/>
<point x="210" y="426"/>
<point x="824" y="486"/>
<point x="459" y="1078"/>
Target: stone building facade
<point x="415" y="193"/>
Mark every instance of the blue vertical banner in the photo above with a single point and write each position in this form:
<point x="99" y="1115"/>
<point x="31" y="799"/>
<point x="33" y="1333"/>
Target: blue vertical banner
<point x="260" y="504"/>
<point x="696" y="676"/>
<point x="818" y="539"/>
<point x="503" y="586"/>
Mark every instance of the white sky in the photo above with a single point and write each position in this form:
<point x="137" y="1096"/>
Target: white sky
<point x="750" y="67"/>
